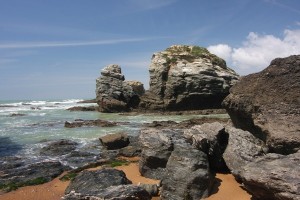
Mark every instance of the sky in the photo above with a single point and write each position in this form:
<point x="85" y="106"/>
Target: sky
<point x="55" y="49"/>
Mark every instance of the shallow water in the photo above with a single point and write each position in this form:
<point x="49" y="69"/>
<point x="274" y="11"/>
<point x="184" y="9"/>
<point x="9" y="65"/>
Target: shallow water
<point x="44" y="120"/>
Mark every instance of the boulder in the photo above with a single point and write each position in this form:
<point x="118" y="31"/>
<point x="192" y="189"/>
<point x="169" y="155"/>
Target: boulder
<point x="273" y="176"/>
<point x="114" y="141"/>
<point x="187" y="174"/>
<point x="95" y="182"/>
<point x="113" y="94"/>
<point x="157" y="146"/>
<point x="242" y="149"/>
<point x="185" y="78"/>
<point x="212" y="139"/>
<point x="120" y="192"/>
<point x="267" y="104"/>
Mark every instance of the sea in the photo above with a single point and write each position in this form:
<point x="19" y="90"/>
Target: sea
<point x="27" y="125"/>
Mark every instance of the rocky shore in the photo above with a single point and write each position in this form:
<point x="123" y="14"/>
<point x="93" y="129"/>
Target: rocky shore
<point x="259" y="145"/>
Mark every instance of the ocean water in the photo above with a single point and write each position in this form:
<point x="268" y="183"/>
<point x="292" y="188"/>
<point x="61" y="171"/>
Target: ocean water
<point x="42" y="121"/>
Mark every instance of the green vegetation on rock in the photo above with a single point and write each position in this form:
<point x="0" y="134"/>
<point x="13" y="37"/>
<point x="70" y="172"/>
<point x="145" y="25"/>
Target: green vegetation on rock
<point x="13" y="186"/>
<point x="68" y="177"/>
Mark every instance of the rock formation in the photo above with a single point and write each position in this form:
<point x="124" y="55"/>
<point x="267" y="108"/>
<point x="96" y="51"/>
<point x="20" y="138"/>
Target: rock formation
<point x="113" y="94"/>
<point x="268" y="104"/>
<point x="187" y="77"/>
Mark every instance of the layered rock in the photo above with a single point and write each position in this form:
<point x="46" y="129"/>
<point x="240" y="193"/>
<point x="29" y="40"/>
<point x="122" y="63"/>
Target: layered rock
<point x="187" y="77"/>
<point x="113" y="94"/>
<point x="268" y="104"/>
<point x="273" y="176"/>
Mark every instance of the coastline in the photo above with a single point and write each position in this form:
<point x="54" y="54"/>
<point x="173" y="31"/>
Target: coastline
<point x="225" y="187"/>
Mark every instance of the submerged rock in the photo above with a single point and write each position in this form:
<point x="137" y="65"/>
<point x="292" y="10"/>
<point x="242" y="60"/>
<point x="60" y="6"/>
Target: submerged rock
<point x="273" y="177"/>
<point x="60" y="147"/>
<point x="267" y="104"/>
<point x="187" y="77"/>
<point x="113" y="94"/>
<point x="97" y="122"/>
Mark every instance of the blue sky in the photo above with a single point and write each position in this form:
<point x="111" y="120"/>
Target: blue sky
<point x="55" y="49"/>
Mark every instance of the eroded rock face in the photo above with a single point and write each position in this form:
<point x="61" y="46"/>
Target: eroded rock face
<point x="268" y="104"/>
<point x="137" y="87"/>
<point x="187" y="77"/>
<point x="273" y="176"/>
<point x="113" y="94"/>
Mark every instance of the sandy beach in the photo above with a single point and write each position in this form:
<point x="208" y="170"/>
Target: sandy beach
<point x="226" y="187"/>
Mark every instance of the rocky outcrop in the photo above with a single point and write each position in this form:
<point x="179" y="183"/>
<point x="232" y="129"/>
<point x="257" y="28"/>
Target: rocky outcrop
<point x="187" y="174"/>
<point x="242" y="149"/>
<point x="113" y="94"/>
<point x="187" y="77"/>
<point x="268" y="104"/>
<point x="137" y="87"/>
<point x="273" y="176"/>
<point x="82" y="108"/>
<point x="114" y="141"/>
<point x="104" y="184"/>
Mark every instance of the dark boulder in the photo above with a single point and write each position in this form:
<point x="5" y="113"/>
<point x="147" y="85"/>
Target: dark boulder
<point x="267" y="104"/>
<point x="114" y="141"/>
<point x="186" y="78"/>
<point x="120" y="192"/>
<point x="187" y="174"/>
<point x="94" y="182"/>
<point x="273" y="177"/>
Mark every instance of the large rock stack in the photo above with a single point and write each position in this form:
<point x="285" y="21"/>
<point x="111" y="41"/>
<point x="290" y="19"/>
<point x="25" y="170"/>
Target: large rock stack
<point x="187" y="77"/>
<point x="268" y="104"/>
<point x="113" y="94"/>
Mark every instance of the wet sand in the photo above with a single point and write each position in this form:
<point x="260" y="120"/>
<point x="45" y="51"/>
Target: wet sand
<point x="226" y="187"/>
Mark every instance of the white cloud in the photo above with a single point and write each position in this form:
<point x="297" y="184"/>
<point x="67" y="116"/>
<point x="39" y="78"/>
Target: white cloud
<point x="257" y="51"/>
<point x="222" y="50"/>
<point x="151" y="4"/>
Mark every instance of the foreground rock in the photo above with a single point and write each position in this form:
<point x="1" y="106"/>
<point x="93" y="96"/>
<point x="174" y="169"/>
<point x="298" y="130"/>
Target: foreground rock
<point x="104" y="184"/>
<point x="157" y="146"/>
<point x="185" y="78"/>
<point x="113" y="94"/>
<point x="273" y="177"/>
<point x="268" y="104"/>
<point x="242" y="149"/>
<point x="114" y="141"/>
<point x="187" y="174"/>
<point x="212" y="139"/>
<point x="33" y="174"/>
<point x="97" y="122"/>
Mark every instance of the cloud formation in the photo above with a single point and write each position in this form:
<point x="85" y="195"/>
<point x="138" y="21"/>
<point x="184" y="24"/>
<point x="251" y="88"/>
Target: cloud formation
<point x="257" y="51"/>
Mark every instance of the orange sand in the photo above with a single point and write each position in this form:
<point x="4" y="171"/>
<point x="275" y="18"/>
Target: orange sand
<point x="226" y="188"/>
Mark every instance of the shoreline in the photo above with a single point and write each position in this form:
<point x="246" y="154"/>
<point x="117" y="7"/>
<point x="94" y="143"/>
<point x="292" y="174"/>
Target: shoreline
<point x="225" y="186"/>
